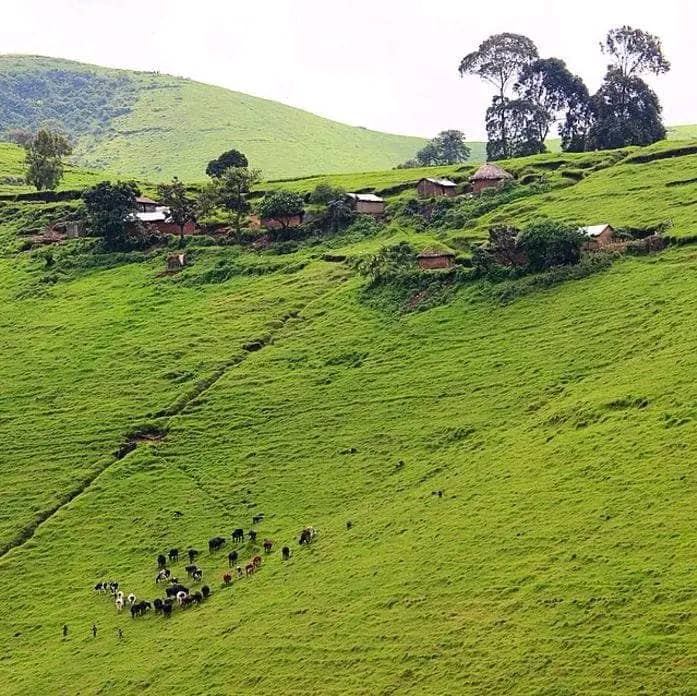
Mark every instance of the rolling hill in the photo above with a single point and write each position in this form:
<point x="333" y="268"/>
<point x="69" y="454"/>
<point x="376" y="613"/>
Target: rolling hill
<point x="141" y="412"/>
<point x="155" y="126"/>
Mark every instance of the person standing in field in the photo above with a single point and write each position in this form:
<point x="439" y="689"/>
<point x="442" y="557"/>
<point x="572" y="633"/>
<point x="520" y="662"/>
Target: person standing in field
<point x="94" y="630"/>
<point x="65" y="631"/>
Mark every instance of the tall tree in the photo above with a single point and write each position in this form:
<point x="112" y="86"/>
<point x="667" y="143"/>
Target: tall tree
<point x="182" y="207"/>
<point x="634" y="52"/>
<point x="110" y="207"/>
<point x="448" y="147"/>
<point x="524" y="121"/>
<point x="231" y="158"/>
<point x="499" y="61"/>
<point x="230" y="190"/>
<point x="44" y="159"/>
<point x="281" y="206"/>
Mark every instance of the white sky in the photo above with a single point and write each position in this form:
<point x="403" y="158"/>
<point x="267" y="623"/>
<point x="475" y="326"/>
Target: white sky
<point x="384" y="64"/>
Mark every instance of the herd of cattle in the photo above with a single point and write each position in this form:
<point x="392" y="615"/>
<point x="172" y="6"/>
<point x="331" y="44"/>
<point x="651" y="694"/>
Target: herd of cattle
<point x="177" y="594"/>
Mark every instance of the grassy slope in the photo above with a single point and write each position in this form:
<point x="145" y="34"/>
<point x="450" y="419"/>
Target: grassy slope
<point x="176" y="126"/>
<point x="561" y="428"/>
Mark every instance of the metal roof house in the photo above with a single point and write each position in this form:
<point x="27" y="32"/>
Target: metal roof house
<point x="430" y="187"/>
<point x="366" y="203"/>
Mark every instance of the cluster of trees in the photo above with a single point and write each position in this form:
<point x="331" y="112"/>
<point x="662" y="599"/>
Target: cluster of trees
<point x="533" y="94"/>
<point x="43" y="159"/>
<point x="448" y="147"/>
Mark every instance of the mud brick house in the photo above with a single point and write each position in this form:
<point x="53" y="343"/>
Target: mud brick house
<point x="151" y="213"/>
<point x="599" y="236"/>
<point x="366" y="203"/>
<point x="489" y="176"/>
<point x="435" y="258"/>
<point x="433" y="188"/>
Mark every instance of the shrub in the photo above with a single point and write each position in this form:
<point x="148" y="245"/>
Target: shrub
<point x="548" y="243"/>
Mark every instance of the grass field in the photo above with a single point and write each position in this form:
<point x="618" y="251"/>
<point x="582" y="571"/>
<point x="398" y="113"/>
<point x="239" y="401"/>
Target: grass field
<point x="560" y="428"/>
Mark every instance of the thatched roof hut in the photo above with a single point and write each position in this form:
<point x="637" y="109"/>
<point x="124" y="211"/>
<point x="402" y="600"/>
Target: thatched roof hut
<point x="489" y="175"/>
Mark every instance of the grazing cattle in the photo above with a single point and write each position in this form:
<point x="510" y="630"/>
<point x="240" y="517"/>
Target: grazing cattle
<point x="252" y="535"/>
<point x="119" y="595"/>
<point x="285" y="551"/>
<point x="307" y="535"/>
<point x="192" y="553"/>
<point x="175" y="589"/>
<point x="113" y="587"/>
<point x="173" y="581"/>
<point x="227" y="578"/>
<point x="162" y="575"/>
<point x="131" y="599"/>
<point x="197" y="575"/>
<point x="232" y="558"/>
<point x="187" y="601"/>
<point x="238" y="535"/>
<point x="249" y="569"/>
<point x="190" y="570"/>
<point x="173" y="555"/>
<point x="256" y="561"/>
<point x="197" y="597"/>
<point x="258" y="518"/>
<point x="215" y="544"/>
<point x="206" y="591"/>
<point x="158" y="605"/>
<point x="167" y="610"/>
<point x="240" y="572"/>
<point x="119" y="604"/>
<point x="268" y="544"/>
<point x="140" y="608"/>
<point x="100" y="587"/>
<point x="161" y="561"/>
<point x="181" y="596"/>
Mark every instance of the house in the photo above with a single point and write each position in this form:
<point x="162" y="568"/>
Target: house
<point x="175" y="262"/>
<point x="431" y="188"/>
<point x="366" y="203"/>
<point x="146" y="205"/>
<point x="489" y="176"/>
<point x="598" y="236"/>
<point x="435" y="258"/>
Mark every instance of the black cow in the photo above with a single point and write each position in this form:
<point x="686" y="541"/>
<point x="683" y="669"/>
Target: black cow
<point x="238" y="535"/>
<point x="158" y="605"/>
<point x="172" y="591"/>
<point x="192" y="553"/>
<point x="305" y="536"/>
<point x="139" y="608"/>
<point x="167" y="610"/>
<point x="286" y="553"/>
<point x="190" y="569"/>
<point x="258" y="518"/>
<point x="197" y="575"/>
<point x="197" y="597"/>
<point x="252" y="535"/>
<point x="215" y="544"/>
<point x="100" y="587"/>
<point x="173" y="555"/>
<point x="232" y="558"/>
<point x="205" y="591"/>
<point x="161" y="561"/>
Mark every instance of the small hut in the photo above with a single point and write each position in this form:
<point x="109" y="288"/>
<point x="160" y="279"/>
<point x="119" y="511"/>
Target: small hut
<point x="175" y="262"/>
<point x="435" y="258"/>
<point x="489" y="176"/>
<point x="598" y="236"/>
<point x="431" y="188"/>
<point x="366" y="203"/>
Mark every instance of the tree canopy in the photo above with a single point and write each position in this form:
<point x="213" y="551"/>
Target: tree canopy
<point x="229" y="191"/>
<point x="231" y="158"/>
<point x="44" y="159"/>
<point x="109" y="208"/>
<point x="182" y="207"/>
<point x="281" y="205"/>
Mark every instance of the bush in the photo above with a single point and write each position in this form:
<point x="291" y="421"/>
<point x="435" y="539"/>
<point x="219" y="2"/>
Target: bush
<point x="548" y="243"/>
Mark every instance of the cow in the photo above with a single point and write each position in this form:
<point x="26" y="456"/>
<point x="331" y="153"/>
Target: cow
<point x="206" y="591"/>
<point x="119" y="604"/>
<point x="252" y="535"/>
<point x="238" y="535"/>
<point x="161" y="560"/>
<point x="258" y="518"/>
<point x="240" y="572"/>
<point x="181" y="596"/>
<point x="162" y="575"/>
<point x="100" y="587"/>
<point x="232" y="558"/>
<point x="187" y="601"/>
<point x="307" y="535"/>
<point x="285" y="552"/>
<point x="197" y="575"/>
<point x="215" y="544"/>
<point x="197" y="597"/>
<point x="227" y="578"/>
<point x="268" y="544"/>
<point x="192" y="553"/>
<point x="158" y="605"/>
<point x="173" y="555"/>
<point x="190" y="569"/>
<point x="249" y="569"/>
<point x="256" y="561"/>
<point x="167" y="610"/>
<point x="131" y="599"/>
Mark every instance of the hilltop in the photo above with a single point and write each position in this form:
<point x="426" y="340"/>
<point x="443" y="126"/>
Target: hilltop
<point x="560" y="429"/>
<point x="155" y="126"/>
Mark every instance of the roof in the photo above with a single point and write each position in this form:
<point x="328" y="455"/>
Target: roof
<point x="368" y="197"/>
<point x="157" y="216"/>
<point x="434" y="253"/>
<point x="145" y="200"/>
<point x="490" y="171"/>
<point x="594" y="230"/>
<point x="439" y="182"/>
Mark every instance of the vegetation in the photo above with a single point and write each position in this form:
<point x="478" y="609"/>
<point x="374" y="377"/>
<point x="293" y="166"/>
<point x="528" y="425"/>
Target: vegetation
<point x="230" y="192"/>
<point x="281" y="206"/>
<point x="44" y="159"/>
<point x="110" y="208"/>
<point x="231" y="158"/>
<point x="448" y="147"/>
<point x="182" y="207"/>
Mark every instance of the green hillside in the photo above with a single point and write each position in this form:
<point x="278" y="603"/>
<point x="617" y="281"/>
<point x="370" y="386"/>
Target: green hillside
<point x="156" y="126"/>
<point x="560" y="428"/>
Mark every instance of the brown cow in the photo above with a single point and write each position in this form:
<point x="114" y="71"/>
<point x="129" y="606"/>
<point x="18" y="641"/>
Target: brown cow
<point x="227" y="578"/>
<point x="249" y="568"/>
<point x="256" y="561"/>
<point x="268" y="544"/>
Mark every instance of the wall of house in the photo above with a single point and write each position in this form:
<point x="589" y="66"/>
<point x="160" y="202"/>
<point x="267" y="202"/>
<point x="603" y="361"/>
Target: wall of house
<point x="271" y="224"/>
<point x="481" y="184"/>
<point x="427" y="189"/>
<point x="370" y="207"/>
<point x="171" y="228"/>
<point x="435" y="262"/>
